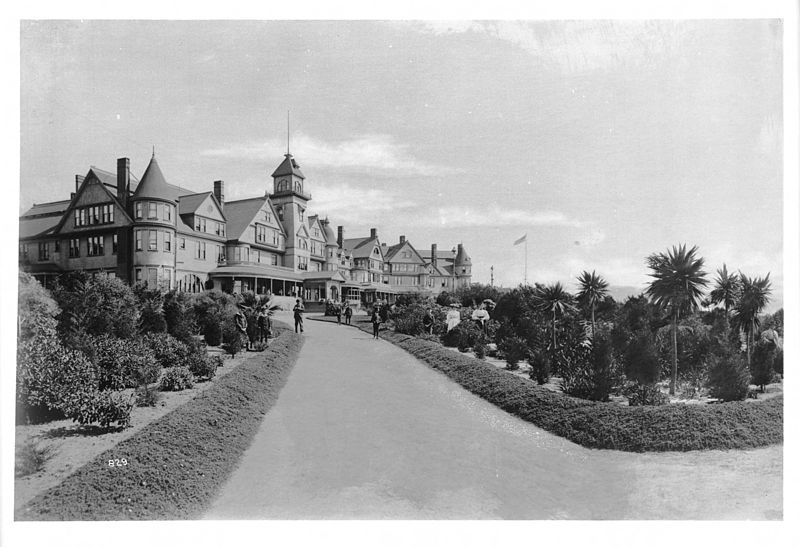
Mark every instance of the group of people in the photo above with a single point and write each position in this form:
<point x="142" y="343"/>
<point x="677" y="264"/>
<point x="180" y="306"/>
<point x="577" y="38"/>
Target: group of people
<point x="263" y="323"/>
<point x="480" y="316"/>
<point x="339" y="310"/>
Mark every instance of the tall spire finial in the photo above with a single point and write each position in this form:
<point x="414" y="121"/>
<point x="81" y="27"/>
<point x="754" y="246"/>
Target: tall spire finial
<point x="288" y="133"/>
<point x="154" y="152"/>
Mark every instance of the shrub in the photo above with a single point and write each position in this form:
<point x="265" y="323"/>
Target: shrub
<point x="47" y="374"/>
<point x="463" y="336"/>
<point x="514" y="350"/>
<point x="167" y="350"/>
<point x="232" y="338"/>
<point x="103" y="407"/>
<point x="539" y="363"/>
<point x="201" y="365"/>
<point x="146" y="396"/>
<point x="151" y="309"/>
<point x="762" y="361"/>
<point x="176" y="379"/>
<point x="728" y="377"/>
<point x="37" y="310"/>
<point x="644" y="395"/>
<point x="479" y="349"/>
<point x="218" y="360"/>
<point x="30" y="458"/>
<point x="408" y="319"/>
<point x="641" y="361"/>
<point x="214" y="310"/>
<point x="179" y="314"/>
<point x="96" y="305"/>
<point x="591" y="377"/>
<point x="124" y="363"/>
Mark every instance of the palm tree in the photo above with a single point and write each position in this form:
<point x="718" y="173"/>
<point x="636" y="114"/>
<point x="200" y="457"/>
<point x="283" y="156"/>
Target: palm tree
<point x="554" y="299"/>
<point x="678" y="288"/>
<point x="593" y="289"/>
<point x="753" y="298"/>
<point x="727" y="288"/>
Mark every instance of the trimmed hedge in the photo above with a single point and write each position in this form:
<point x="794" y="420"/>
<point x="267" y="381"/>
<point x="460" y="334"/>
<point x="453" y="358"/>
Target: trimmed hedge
<point x="675" y="427"/>
<point x="177" y="464"/>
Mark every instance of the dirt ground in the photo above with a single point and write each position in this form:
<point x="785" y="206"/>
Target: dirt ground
<point x="72" y="445"/>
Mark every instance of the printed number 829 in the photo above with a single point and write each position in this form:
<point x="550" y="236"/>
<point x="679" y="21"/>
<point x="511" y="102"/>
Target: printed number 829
<point x="118" y="462"/>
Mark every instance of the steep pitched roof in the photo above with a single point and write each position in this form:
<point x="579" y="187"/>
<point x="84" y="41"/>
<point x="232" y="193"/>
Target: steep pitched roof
<point x="288" y="167"/>
<point x="462" y="258"/>
<point x="153" y="184"/>
<point x="241" y="213"/>
<point x="327" y="231"/>
<point x="110" y="179"/>
<point x="390" y="252"/>
<point x="360" y="247"/>
<point x="188" y="204"/>
<point x="441" y="255"/>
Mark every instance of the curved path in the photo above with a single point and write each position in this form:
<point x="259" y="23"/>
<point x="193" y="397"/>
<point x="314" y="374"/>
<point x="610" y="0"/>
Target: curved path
<point x="363" y="430"/>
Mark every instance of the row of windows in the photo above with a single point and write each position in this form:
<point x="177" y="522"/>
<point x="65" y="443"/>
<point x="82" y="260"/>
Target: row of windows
<point x="208" y="226"/>
<point x="95" y="246"/>
<point x="267" y="235"/>
<point x="402" y="268"/>
<point x="96" y="214"/>
<point x="150" y="238"/>
<point x="166" y="210"/>
<point x="155" y="277"/>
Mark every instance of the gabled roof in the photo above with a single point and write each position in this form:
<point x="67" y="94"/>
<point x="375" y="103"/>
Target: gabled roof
<point x="360" y="247"/>
<point x="242" y="213"/>
<point x="303" y="231"/>
<point x="390" y="252"/>
<point x="288" y="167"/>
<point x="153" y="184"/>
<point x="442" y="271"/>
<point x="189" y="203"/>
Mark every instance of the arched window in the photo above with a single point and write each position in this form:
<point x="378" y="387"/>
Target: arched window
<point x="298" y="187"/>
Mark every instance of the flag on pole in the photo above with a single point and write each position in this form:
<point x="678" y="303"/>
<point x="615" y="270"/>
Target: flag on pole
<point x="523" y="239"/>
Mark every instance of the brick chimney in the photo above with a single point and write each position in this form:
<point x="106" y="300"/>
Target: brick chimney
<point x="340" y="236"/>
<point x="219" y="192"/>
<point x="373" y="233"/>
<point x="123" y="180"/>
<point x="402" y="239"/>
<point x="78" y="182"/>
<point x="433" y="255"/>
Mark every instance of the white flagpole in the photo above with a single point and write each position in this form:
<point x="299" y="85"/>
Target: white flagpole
<point x="526" y="259"/>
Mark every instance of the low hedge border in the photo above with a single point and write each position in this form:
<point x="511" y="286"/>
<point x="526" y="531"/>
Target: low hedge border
<point x="677" y="427"/>
<point x="177" y="464"/>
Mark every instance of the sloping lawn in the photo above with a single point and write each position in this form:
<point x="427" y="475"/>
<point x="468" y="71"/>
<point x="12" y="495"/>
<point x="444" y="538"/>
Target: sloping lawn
<point x="175" y="466"/>
<point x="602" y="425"/>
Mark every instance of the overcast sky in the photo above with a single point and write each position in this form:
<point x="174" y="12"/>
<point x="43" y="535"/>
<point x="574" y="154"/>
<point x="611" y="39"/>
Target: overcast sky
<point x="603" y="141"/>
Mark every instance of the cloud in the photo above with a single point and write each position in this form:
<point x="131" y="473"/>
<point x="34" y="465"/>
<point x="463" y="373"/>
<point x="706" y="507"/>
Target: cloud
<point x="459" y="217"/>
<point x="574" y="46"/>
<point x="367" y="153"/>
<point x="347" y="204"/>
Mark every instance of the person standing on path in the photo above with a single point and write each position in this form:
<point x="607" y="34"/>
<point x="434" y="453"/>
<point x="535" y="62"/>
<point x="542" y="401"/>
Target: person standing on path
<point x="348" y="313"/>
<point x="298" y="316"/>
<point x="338" y="311"/>
<point x="427" y="321"/>
<point x="376" y="322"/>
<point x="241" y="324"/>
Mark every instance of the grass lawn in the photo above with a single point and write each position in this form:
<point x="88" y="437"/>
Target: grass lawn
<point x="176" y="465"/>
<point x="675" y="427"/>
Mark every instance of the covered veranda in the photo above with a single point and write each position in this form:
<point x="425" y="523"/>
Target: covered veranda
<point x="258" y="279"/>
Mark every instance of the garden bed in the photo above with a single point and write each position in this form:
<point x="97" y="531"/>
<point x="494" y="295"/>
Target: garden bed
<point x="603" y="425"/>
<point x="176" y="464"/>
